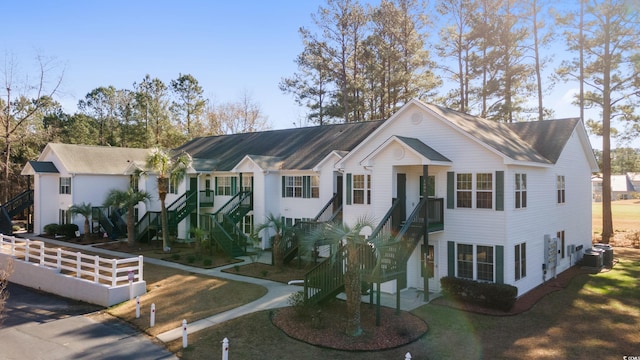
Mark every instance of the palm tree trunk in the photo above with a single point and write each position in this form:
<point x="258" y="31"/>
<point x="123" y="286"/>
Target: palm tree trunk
<point x="163" y="186"/>
<point x="352" y="291"/>
<point x="130" y="225"/>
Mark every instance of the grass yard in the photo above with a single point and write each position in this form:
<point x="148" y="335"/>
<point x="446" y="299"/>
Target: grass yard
<point x="595" y="317"/>
<point x="182" y="295"/>
<point x="625" y="213"/>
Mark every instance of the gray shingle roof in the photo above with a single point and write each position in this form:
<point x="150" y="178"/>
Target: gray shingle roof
<point x="298" y="148"/>
<point x="535" y="141"/>
<point x="43" y="167"/>
<point x="86" y="159"/>
<point x="423" y="149"/>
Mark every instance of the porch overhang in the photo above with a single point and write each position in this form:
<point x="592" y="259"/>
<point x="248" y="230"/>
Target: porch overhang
<point x="425" y="154"/>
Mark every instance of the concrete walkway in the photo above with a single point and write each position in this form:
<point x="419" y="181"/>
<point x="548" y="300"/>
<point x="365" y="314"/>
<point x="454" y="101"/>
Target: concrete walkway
<point x="277" y="295"/>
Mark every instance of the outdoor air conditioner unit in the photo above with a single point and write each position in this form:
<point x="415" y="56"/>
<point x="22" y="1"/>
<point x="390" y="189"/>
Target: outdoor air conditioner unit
<point x="571" y="249"/>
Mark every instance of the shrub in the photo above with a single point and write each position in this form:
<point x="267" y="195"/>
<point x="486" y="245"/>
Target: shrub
<point x="15" y="228"/>
<point x="191" y="259"/>
<point x="207" y="262"/>
<point x="68" y="230"/>
<point x="302" y="308"/>
<point x="175" y="256"/>
<point x="495" y="296"/>
<point x="51" y="229"/>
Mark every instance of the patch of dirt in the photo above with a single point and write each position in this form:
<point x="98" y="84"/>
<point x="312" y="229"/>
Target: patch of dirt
<point x="185" y="254"/>
<point x="329" y="330"/>
<point x="284" y="274"/>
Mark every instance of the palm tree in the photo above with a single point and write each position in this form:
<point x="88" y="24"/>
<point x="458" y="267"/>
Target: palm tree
<point x="127" y="199"/>
<point x="84" y="210"/>
<point x="169" y="170"/>
<point x="280" y="228"/>
<point x="350" y="236"/>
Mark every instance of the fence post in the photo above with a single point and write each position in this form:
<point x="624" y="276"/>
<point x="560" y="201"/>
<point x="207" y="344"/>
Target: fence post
<point x="152" y="320"/>
<point x="96" y="269"/>
<point x="225" y="349"/>
<point x="13" y="246"/>
<point x="114" y="273"/>
<point x="59" y="259"/>
<point x="26" y="251"/>
<point x="137" y="307"/>
<point x="184" y="334"/>
<point x="78" y="263"/>
<point x="42" y="247"/>
<point x="140" y="266"/>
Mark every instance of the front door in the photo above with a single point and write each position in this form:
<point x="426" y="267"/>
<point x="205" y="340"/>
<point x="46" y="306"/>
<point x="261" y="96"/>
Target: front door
<point x="400" y="215"/>
<point x="431" y="267"/>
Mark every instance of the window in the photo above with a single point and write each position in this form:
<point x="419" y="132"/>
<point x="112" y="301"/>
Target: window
<point x="560" y="236"/>
<point x="134" y="182"/>
<point x="65" y="186"/>
<point x="301" y="186"/>
<point x="465" y="261"/>
<point x="247" y="224"/>
<point x="464" y="187"/>
<point x="362" y="189"/>
<point x="247" y="182"/>
<point x="521" y="191"/>
<point x="64" y="217"/>
<point x="484" y="264"/>
<point x="223" y="184"/>
<point x="476" y="262"/>
<point x="521" y="260"/>
<point x="173" y="186"/>
<point x="431" y="186"/>
<point x="484" y="191"/>
<point x="293" y="187"/>
<point x="560" y="186"/>
<point x="315" y="186"/>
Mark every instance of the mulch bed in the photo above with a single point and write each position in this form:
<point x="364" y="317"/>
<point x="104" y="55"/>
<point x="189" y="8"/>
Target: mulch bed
<point x="524" y="302"/>
<point x="329" y="332"/>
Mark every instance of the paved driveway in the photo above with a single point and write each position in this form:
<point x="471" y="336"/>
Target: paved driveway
<point x="38" y="325"/>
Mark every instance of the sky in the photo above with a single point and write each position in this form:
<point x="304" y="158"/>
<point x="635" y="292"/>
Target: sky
<point x="230" y="47"/>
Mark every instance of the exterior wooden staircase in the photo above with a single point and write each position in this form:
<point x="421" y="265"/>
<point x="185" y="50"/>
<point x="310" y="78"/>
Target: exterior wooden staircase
<point x="386" y="261"/>
<point x="13" y="207"/>
<point x="109" y="220"/>
<point x="332" y="211"/>
<point x="222" y="226"/>
<point x="150" y="224"/>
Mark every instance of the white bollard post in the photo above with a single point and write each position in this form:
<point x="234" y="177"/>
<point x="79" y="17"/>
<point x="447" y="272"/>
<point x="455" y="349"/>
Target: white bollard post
<point x="130" y="276"/>
<point x="407" y="356"/>
<point x="184" y="334"/>
<point x="225" y="349"/>
<point x="137" y="307"/>
<point x="153" y="315"/>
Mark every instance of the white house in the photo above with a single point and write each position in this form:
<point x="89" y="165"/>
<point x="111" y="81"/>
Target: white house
<point x="506" y="187"/>
<point x="622" y="187"/>
<point x="66" y="174"/>
<point x="505" y="203"/>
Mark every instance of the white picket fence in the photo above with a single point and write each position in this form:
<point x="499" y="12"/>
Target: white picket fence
<point x="115" y="280"/>
<point x="112" y="272"/>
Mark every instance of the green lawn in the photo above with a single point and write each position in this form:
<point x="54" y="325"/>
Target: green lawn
<point x="625" y="214"/>
<point x="595" y="317"/>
